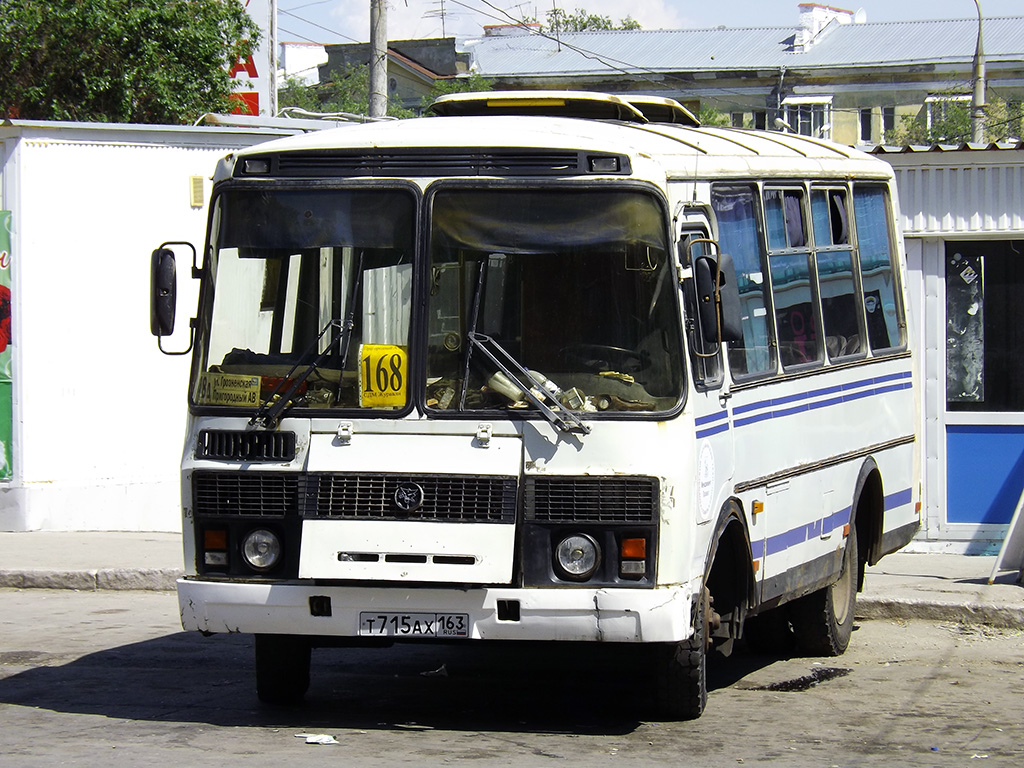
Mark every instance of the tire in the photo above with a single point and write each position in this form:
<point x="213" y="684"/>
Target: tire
<point x="680" y="670"/>
<point x="282" y="668"/>
<point x="823" y="620"/>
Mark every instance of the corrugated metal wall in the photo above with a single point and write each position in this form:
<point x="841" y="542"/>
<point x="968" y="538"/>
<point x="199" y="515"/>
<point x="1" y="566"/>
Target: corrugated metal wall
<point x="961" y="193"/>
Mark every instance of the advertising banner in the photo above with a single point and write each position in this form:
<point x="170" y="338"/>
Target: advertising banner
<point x="6" y="428"/>
<point x="255" y="76"/>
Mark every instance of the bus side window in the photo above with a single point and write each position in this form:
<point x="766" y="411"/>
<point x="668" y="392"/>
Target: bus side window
<point x="841" y="309"/>
<point x="884" y="314"/>
<point x="793" y="287"/>
<point x="736" y="211"/>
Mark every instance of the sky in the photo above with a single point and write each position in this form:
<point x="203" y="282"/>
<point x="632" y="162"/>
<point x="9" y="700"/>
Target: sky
<point x="343" y="21"/>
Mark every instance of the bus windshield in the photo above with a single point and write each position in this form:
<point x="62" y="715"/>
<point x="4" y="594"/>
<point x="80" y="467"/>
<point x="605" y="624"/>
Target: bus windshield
<point x="305" y="284"/>
<point x="570" y="294"/>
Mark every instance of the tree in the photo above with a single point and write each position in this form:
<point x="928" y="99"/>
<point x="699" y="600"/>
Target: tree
<point x="348" y="91"/>
<point x="709" y="115"/>
<point x="951" y="123"/>
<point x="581" y="20"/>
<point x="144" y="61"/>
<point x="469" y="84"/>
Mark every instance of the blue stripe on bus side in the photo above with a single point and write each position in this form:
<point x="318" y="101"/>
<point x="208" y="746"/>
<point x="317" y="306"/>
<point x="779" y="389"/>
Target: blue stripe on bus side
<point x="850" y="392"/>
<point x="791" y="538"/>
<point x="716" y="428"/>
<point x="899" y="499"/>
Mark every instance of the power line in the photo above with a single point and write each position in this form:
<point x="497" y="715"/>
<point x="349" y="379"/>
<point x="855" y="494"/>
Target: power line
<point x="318" y="26"/>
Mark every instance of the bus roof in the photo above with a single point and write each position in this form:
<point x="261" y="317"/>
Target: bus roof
<point x="668" y="150"/>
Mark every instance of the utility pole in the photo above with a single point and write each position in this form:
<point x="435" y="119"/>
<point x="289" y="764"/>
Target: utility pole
<point x="978" y="99"/>
<point x="378" y="58"/>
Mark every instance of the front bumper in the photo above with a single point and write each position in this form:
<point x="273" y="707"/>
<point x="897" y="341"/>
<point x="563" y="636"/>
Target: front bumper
<point x="594" y="615"/>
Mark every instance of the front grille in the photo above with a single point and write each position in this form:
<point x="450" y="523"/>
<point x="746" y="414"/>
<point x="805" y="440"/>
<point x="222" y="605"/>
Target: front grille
<point x="245" y="493"/>
<point x="591" y="499"/>
<point x="235" y="445"/>
<point x="432" y="162"/>
<point x="445" y="498"/>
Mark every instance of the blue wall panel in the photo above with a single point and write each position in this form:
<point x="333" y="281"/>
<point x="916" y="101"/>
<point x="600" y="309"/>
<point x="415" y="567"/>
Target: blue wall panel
<point x="984" y="473"/>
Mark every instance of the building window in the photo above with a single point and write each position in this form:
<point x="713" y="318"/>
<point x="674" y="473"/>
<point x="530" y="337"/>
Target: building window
<point x="888" y="121"/>
<point x="809" y="116"/>
<point x="947" y="116"/>
<point x="760" y="119"/>
<point x="865" y="124"/>
<point x="736" y="119"/>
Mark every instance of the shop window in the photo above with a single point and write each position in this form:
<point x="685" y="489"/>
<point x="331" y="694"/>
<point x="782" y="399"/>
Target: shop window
<point x="984" y="326"/>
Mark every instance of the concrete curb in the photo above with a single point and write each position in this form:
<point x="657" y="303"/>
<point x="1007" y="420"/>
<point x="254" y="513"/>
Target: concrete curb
<point x="1004" y="616"/>
<point x="148" y="579"/>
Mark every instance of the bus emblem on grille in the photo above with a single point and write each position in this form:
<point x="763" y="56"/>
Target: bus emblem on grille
<point x="408" y="497"/>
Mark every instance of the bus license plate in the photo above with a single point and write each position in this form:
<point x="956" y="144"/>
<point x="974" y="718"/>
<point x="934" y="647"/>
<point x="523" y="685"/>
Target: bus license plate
<point x="414" y="624"/>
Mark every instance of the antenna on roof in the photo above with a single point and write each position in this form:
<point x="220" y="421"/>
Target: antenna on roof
<point x="860" y="16"/>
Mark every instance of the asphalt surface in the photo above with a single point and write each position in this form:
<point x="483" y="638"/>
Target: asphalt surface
<point x="940" y="587"/>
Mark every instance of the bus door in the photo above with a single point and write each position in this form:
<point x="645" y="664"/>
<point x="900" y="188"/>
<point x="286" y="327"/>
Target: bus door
<point x="715" y="446"/>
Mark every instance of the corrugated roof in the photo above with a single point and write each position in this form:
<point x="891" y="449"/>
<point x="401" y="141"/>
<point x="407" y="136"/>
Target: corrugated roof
<point x="723" y="49"/>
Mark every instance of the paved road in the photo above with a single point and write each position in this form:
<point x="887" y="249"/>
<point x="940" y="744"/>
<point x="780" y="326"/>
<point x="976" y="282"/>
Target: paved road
<point x="108" y="679"/>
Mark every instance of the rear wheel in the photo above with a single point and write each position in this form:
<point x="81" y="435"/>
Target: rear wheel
<point x="823" y="620"/>
<point x="282" y="668"/>
<point x="681" y="669"/>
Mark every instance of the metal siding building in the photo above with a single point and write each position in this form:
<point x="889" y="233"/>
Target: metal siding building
<point x="963" y="224"/>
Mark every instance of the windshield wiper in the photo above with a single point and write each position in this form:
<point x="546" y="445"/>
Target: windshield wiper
<point x="267" y="414"/>
<point x="564" y="419"/>
<point x="269" y="410"/>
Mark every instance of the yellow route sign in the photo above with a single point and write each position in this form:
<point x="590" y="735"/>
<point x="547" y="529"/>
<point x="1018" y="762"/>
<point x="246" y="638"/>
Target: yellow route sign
<point x="383" y="376"/>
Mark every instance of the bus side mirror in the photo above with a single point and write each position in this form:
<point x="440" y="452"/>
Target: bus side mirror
<point x="718" y="298"/>
<point x="162" y="292"/>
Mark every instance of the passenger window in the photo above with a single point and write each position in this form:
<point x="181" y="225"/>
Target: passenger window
<point x="736" y="211"/>
<point x="882" y="310"/>
<point x="841" y="312"/>
<point x="793" y="288"/>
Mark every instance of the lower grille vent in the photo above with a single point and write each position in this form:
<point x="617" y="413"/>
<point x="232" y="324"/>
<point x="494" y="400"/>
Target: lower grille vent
<point x="591" y="499"/>
<point x="273" y="494"/>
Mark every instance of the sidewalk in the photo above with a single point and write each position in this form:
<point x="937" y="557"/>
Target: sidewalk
<point x="940" y="587"/>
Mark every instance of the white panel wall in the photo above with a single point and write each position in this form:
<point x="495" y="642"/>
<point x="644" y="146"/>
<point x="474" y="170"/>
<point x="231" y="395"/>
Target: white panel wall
<point x="99" y="412"/>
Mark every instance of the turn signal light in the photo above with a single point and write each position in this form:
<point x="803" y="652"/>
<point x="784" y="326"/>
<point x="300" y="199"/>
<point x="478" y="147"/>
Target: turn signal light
<point x="215" y="538"/>
<point x="633" y="549"/>
<point x="632" y="558"/>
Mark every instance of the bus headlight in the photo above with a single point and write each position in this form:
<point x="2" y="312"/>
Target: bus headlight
<point x="577" y="556"/>
<point x="261" y="549"/>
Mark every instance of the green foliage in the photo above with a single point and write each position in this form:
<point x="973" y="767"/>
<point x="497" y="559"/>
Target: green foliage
<point x="708" y="115"/>
<point x="469" y="84"/>
<point x="581" y="20"/>
<point x="348" y="92"/>
<point x="144" y="61"/>
<point x="951" y="123"/>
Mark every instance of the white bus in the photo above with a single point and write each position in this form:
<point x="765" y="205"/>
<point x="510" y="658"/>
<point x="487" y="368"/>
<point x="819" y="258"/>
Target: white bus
<point x="545" y="367"/>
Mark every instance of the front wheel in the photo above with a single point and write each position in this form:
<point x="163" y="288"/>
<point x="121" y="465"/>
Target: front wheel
<point x="680" y="669"/>
<point x="282" y="668"/>
<point x="823" y="620"/>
